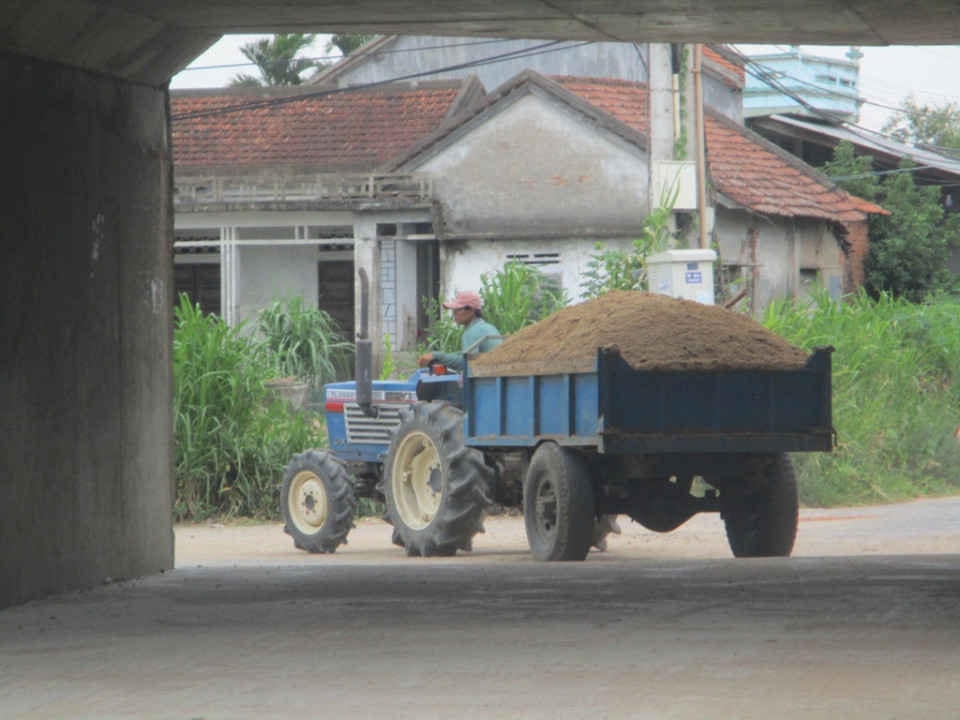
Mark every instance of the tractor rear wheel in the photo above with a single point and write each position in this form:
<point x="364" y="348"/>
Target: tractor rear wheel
<point x="436" y="488"/>
<point x="558" y="504"/>
<point x="317" y="502"/>
<point x="763" y="522"/>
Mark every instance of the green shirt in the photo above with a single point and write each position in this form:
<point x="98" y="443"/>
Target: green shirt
<point x="478" y="328"/>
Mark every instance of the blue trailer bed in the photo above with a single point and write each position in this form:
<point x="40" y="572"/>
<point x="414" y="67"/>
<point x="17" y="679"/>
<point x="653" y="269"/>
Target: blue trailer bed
<point x="619" y="410"/>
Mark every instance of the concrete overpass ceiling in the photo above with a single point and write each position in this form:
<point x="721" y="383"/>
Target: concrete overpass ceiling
<point x="146" y="41"/>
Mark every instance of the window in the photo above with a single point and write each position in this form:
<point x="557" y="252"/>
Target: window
<point x="809" y="279"/>
<point x="266" y="233"/>
<point x="548" y="263"/>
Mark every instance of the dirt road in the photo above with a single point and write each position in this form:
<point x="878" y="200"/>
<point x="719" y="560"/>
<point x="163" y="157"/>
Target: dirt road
<point x="922" y="527"/>
<point x="864" y="622"/>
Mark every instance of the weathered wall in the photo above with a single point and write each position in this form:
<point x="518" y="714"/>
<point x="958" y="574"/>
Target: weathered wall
<point x="779" y="248"/>
<point x="463" y="262"/>
<point x="415" y="54"/>
<point x="422" y="54"/>
<point x="267" y="274"/>
<point x="85" y="321"/>
<point x="539" y="168"/>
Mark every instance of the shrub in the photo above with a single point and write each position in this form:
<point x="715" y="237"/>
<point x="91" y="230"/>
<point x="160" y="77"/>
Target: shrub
<point x="304" y="342"/>
<point x="610" y="269"/>
<point x="231" y="439"/>
<point x="519" y="295"/>
<point x="513" y="298"/>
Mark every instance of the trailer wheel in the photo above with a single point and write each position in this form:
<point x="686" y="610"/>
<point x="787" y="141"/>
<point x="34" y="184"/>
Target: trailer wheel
<point x="317" y="502"/>
<point x="763" y="523"/>
<point x="436" y="488"/>
<point x="558" y="504"/>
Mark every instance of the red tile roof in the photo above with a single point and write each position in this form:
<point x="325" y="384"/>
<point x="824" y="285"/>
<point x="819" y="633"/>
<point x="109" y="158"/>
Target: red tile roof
<point x="762" y="177"/>
<point x="742" y="166"/>
<point x="725" y="63"/>
<point x="627" y="101"/>
<point x="343" y="131"/>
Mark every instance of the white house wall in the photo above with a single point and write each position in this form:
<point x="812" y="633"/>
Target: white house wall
<point x="784" y="247"/>
<point x="265" y="272"/>
<point x="407" y="301"/>
<point x="539" y="168"/>
<point x="463" y="263"/>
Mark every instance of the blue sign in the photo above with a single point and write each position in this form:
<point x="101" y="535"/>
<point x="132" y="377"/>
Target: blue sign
<point x="693" y="277"/>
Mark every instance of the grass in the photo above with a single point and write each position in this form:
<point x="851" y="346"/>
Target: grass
<point x="232" y="438"/>
<point x="896" y="401"/>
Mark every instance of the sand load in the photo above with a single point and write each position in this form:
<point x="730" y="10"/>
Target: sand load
<point x="652" y="332"/>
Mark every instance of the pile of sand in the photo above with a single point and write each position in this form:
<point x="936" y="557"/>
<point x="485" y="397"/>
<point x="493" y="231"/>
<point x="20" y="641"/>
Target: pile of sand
<point x="652" y="332"/>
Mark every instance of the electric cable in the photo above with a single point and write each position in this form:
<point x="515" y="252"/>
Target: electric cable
<point x="524" y="52"/>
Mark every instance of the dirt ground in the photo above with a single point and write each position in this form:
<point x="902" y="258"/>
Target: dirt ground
<point x="863" y="623"/>
<point x="910" y="528"/>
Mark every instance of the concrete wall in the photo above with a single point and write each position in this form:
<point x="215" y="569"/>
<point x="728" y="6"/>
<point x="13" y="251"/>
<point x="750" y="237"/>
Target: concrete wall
<point x="539" y="168"/>
<point x="85" y="372"/>
<point x="422" y="53"/>
<point x="780" y="248"/>
<point x="419" y="54"/>
<point x="463" y="263"/>
<point x="266" y="274"/>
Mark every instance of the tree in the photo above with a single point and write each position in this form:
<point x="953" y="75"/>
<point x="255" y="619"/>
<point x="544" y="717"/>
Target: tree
<point x="938" y="126"/>
<point x="908" y="248"/>
<point x="346" y="43"/>
<point x="277" y="60"/>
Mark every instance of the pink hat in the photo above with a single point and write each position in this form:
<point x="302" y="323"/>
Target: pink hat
<point x="465" y="299"/>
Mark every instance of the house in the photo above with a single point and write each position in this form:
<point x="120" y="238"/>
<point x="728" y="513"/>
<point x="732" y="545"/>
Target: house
<point x="273" y="186"/>
<point x="813" y="141"/>
<point x="547" y="167"/>
<point x="429" y="184"/>
<point x="813" y="105"/>
<point x="804" y="85"/>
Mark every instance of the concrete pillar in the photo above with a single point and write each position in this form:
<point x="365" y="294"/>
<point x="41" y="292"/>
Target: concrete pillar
<point x="661" y="113"/>
<point x="85" y="331"/>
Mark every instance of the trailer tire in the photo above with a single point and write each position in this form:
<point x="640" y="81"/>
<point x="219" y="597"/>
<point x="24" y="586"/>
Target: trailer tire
<point x="558" y="504"/>
<point x="436" y="488"/>
<point x="763" y="523"/>
<point x="316" y="499"/>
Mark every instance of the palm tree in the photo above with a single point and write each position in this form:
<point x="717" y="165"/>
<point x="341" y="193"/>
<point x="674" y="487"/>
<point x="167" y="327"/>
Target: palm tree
<point x="276" y="58"/>
<point x="346" y="43"/>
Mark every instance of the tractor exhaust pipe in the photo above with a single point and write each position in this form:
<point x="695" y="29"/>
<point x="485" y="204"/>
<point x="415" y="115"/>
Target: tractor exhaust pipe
<point x="364" y="351"/>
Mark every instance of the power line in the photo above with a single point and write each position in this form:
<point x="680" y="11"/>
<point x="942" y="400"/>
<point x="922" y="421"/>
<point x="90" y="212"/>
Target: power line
<point x="526" y="52"/>
<point x="320" y="58"/>
<point x="771" y="77"/>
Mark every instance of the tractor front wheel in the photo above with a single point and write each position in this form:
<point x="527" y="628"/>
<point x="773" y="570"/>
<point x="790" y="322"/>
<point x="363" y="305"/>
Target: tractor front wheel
<point x="317" y="502"/>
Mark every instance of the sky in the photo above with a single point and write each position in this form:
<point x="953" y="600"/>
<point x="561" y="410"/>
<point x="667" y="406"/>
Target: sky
<point x="888" y="75"/>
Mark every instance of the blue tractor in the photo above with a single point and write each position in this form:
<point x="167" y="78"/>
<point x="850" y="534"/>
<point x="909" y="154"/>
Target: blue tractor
<point x="436" y="490"/>
<point x="569" y="448"/>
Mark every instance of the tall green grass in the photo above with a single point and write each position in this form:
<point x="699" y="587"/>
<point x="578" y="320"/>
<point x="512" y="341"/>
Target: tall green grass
<point x="304" y="342"/>
<point x="896" y="397"/>
<point x="519" y="295"/>
<point x="231" y="438"/>
<point x="514" y="297"/>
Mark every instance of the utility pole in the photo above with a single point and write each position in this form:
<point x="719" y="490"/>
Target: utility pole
<point x="700" y="143"/>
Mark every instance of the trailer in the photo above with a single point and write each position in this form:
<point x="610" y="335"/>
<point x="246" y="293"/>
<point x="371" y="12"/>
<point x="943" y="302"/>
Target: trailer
<point x="659" y="446"/>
